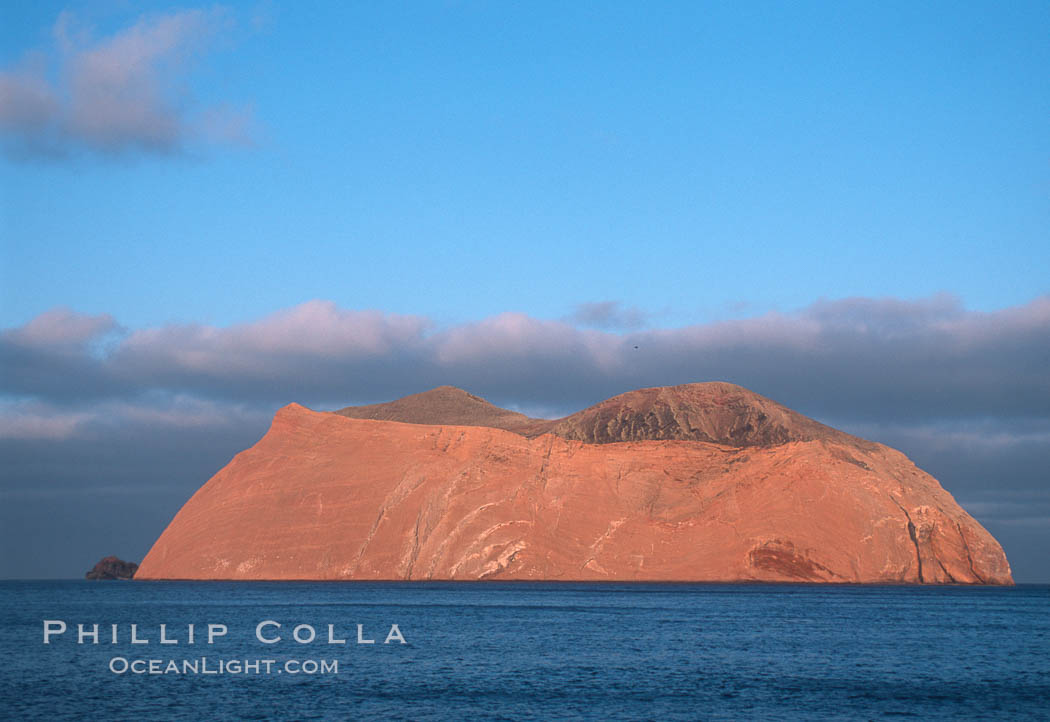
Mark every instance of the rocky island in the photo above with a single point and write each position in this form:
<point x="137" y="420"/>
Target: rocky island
<point x="699" y="482"/>
<point x="112" y="568"/>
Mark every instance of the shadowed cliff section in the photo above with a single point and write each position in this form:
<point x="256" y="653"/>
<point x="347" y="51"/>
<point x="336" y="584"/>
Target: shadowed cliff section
<point x="714" y="412"/>
<point x="448" y="406"/>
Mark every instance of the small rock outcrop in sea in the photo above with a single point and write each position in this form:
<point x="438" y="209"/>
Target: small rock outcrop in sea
<point x="112" y="568"/>
<point x="700" y="482"/>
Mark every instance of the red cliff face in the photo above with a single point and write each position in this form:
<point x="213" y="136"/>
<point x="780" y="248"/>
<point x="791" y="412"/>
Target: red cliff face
<point x="704" y="482"/>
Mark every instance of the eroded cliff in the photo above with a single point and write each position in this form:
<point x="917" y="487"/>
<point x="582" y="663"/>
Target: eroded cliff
<point x="703" y="482"/>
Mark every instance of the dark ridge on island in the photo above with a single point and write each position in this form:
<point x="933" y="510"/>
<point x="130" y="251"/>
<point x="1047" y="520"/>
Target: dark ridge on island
<point x="698" y="482"/>
<point x="715" y="412"/>
<point x="112" y="568"/>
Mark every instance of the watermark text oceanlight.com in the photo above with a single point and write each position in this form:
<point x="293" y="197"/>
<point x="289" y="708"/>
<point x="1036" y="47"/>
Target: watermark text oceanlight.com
<point x="267" y="632"/>
<point x="204" y="665"/>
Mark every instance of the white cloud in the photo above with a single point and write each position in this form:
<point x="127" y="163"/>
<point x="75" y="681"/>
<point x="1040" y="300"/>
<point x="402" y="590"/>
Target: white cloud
<point x="610" y="315"/>
<point x="29" y="419"/>
<point x="129" y="91"/>
<point x="858" y="359"/>
<point x="62" y="328"/>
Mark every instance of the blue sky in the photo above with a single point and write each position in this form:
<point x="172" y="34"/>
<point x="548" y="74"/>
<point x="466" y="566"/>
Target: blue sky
<point x="210" y="211"/>
<point x="693" y="160"/>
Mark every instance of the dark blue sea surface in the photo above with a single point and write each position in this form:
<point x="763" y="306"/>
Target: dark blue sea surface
<point x="527" y="651"/>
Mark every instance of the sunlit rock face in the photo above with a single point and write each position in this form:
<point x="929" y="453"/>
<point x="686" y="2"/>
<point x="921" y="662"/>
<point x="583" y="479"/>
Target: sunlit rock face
<point x="701" y="482"/>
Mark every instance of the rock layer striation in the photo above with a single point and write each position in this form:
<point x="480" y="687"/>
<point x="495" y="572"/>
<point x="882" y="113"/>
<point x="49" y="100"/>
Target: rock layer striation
<point x="701" y="482"/>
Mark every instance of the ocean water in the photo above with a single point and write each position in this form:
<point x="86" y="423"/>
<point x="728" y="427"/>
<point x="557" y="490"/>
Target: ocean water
<point x="525" y="651"/>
